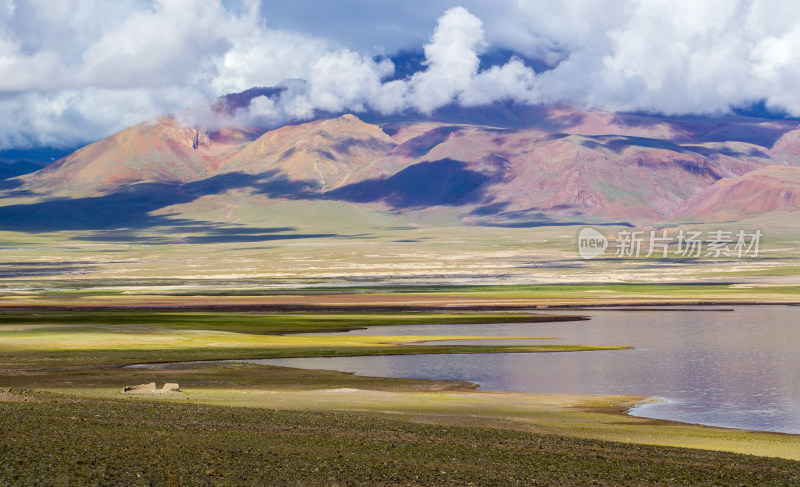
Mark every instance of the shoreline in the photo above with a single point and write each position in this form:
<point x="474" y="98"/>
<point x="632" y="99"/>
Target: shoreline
<point x="605" y="417"/>
<point x="623" y="408"/>
<point x="589" y="416"/>
<point x="200" y="436"/>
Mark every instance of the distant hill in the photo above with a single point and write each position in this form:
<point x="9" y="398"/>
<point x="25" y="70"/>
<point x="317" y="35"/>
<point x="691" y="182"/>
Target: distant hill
<point x="503" y="164"/>
<point x="16" y="162"/>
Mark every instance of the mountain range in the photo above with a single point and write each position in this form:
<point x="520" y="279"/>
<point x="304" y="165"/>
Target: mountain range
<point x="504" y="164"/>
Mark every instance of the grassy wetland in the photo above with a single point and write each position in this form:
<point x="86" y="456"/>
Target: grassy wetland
<point x="72" y="316"/>
<point x="233" y="423"/>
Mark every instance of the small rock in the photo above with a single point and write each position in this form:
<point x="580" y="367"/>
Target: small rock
<point x="171" y="387"/>
<point x="151" y="387"/>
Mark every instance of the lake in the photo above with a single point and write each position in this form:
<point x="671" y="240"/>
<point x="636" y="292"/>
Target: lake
<point x="737" y="368"/>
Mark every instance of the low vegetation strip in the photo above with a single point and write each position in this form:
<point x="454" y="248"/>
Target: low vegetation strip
<point x="47" y="438"/>
<point x="202" y="296"/>
<point x="47" y="359"/>
<point x="100" y="338"/>
<point x="250" y="319"/>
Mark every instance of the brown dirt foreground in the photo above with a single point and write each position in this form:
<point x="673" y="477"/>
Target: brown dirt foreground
<point x="60" y="440"/>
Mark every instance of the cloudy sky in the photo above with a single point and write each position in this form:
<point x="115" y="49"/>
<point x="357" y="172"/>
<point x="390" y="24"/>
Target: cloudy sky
<point x="73" y="71"/>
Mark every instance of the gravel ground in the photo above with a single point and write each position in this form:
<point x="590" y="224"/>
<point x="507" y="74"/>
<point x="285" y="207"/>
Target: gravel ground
<point x="48" y="439"/>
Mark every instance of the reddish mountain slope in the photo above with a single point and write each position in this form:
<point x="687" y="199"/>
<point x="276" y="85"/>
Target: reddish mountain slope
<point x="162" y="151"/>
<point x="787" y="148"/>
<point x="768" y="189"/>
<point x="611" y="176"/>
<point x="495" y="164"/>
<point x="322" y="153"/>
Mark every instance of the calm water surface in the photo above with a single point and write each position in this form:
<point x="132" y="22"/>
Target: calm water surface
<point x="737" y="368"/>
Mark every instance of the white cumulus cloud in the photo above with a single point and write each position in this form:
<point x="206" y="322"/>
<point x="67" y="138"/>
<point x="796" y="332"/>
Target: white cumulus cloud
<point x="76" y="70"/>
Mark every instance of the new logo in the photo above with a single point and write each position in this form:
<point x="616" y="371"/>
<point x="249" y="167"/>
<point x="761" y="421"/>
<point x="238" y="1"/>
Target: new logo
<point x="591" y="243"/>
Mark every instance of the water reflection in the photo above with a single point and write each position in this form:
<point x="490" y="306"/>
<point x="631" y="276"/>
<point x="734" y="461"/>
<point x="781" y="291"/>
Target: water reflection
<point x="735" y="369"/>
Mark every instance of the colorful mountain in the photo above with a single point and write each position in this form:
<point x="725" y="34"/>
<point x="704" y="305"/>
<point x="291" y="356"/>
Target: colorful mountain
<point x="491" y="165"/>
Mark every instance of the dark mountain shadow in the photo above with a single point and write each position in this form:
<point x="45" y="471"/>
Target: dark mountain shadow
<point x="532" y="218"/>
<point x="130" y="207"/>
<point x="565" y="120"/>
<point x="279" y="186"/>
<point x="251" y="234"/>
<point x="422" y="144"/>
<point x="503" y="115"/>
<point x="749" y="131"/>
<point x="236" y="231"/>
<point x="210" y="234"/>
<point x="490" y="209"/>
<point x="618" y="143"/>
<point x="760" y="109"/>
<point x="444" y="182"/>
<point x="122" y="236"/>
<point x="346" y="145"/>
<point x="234" y="101"/>
<point x="234" y="238"/>
<point x="8" y="184"/>
<point x="726" y="151"/>
<point x="41" y="269"/>
<point x="741" y="126"/>
<point x="18" y="168"/>
<point x="731" y="128"/>
<point x="126" y="214"/>
<point x="638" y="119"/>
<point x="547" y="222"/>
<point x="38" y="156"/>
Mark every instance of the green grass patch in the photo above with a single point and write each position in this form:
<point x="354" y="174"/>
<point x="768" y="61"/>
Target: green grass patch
<point x="73" y="338"/>
<point x="250" y="322"/>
